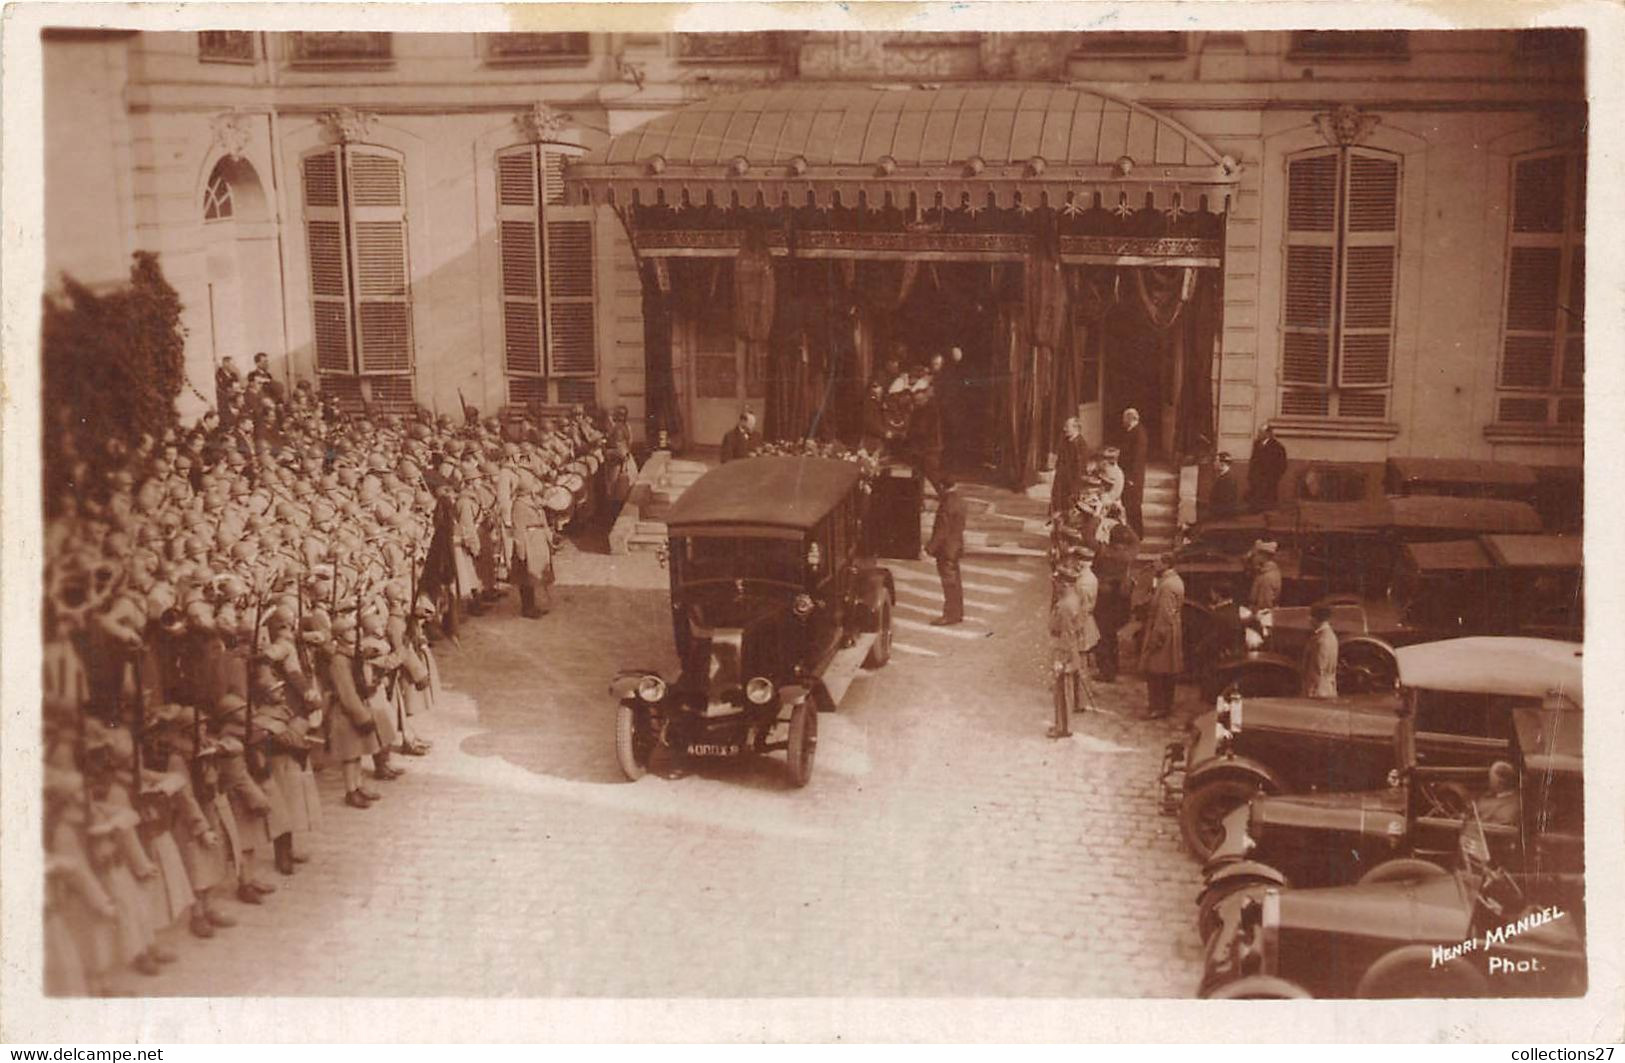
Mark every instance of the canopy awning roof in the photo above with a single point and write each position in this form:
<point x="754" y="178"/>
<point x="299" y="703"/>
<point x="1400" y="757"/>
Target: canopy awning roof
<point x="998" y="145"/>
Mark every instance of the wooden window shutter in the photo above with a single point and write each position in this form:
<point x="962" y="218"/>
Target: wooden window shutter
<point x="1312" y="187"/>
<point x="382" y="271"/>
<point x="520" y="239"/>
<point x="1574" y="344"/>
<point x="329" y="272"/>
<point x="1533" y="280"/>
<point x="572" y="305"/>
<point x="553" y="177"/>
<point x="1370" y="269"/>
<point x="1543" y="343"/>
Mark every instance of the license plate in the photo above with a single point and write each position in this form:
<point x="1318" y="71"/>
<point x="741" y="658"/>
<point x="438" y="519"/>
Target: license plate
<point x="712" y="749"/>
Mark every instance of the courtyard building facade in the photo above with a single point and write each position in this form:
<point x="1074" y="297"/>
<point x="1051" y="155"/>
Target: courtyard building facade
<point x="1372" y="242"/>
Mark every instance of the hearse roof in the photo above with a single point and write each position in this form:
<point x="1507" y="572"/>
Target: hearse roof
<point x="776" y="492"/>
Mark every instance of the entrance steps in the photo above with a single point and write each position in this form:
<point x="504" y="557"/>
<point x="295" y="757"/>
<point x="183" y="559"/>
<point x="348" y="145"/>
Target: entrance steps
<point x="1159" y="509"/>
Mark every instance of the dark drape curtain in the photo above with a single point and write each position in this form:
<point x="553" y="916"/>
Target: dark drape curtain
<point x="1196" y="434"/>
<point x="660" y="409"/>
<point x="1041" y="327"/>
<point x="813" y="374"/>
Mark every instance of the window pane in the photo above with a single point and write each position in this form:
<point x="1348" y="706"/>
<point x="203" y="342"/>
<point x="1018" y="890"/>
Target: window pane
<point x="1311" y="204"/>
<point x="1300" y="403"/>
<point x="1527" y="361"/>
<point x="1309" y="286"/>
<point x="1365" y="359"/>
<point x="1373" y="194"/>
<point x="1372" y="404"/>
<point x="1532" y="289"/>
<point x="1537" y="202"/>
<point x="1306" y="358"/>
<point x="1368" y="300"/>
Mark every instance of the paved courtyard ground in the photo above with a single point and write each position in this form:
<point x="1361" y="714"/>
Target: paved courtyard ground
<point x="945" y="847"/>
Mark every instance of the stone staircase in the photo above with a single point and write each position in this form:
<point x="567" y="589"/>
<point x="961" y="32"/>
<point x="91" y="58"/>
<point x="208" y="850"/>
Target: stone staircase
<point x="1160" y="509"/>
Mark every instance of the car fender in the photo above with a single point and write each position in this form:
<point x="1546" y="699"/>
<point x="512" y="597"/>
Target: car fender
<point x="1239" y="767"/>
<point x="1246" y="869"/>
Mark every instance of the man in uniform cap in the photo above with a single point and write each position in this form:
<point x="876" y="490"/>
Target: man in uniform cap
<point x="1265" y="591"/>
<point x="532" y="545"/>
<point x="1162" y="656"/>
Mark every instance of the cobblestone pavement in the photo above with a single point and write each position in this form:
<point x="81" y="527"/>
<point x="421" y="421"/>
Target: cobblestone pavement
<point x="945" y="847"/>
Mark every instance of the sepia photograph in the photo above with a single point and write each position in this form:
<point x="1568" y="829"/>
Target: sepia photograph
<point x="591" y="509"/>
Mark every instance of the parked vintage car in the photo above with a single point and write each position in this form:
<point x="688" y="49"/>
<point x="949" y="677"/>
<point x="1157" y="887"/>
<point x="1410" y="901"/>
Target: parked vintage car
<point x="1339" y="547"/>
<point x="1460" y="477"/>
<point x="1493" y="585"/>
<point x="1490" y="585"/>
<point x="1410" y="928"/>
<point x="1459" y="692"/>
<point x="1327" y="839"/>
<point x="774" y="607"/>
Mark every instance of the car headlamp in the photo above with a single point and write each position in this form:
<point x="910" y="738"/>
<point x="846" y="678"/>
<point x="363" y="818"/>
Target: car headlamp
<point x="759" y="691"/>
<point x="651" y="688"/>
<point x="803" y="605"/>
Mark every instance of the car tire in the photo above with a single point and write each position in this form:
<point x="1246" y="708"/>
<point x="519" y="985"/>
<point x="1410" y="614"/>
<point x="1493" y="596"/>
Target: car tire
<point x="1409" y="972"/>
<point x="633" y="745"/>
<point x="880" y="652"/>
<point x="803" y="743"/>
<point x="1403" y="869"/>
<point x="1258" y="987"/>
<point x="1207" y="905"/>
<point x="1202" y="812"/>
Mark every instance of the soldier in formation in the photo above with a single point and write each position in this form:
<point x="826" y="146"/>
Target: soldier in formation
<point x="235" y="606"/>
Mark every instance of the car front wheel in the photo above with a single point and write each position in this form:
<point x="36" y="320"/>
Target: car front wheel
<point x="803" y="744"/>
<point x="1411" y="971"/>
<point x="1203" y="811"/>
<point x="633" y="744"/>
<point x="880" y="652"/>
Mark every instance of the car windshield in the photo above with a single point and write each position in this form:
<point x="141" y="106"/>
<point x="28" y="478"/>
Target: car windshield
<point x="705" y="559"/>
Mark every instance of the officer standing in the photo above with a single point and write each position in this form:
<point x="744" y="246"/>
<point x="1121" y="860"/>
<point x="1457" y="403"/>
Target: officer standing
<point x="1135" y="454"/>
<point x="1320" y="655"/>
<point x="1162" y="657"/>
<point x="947" y="545"/>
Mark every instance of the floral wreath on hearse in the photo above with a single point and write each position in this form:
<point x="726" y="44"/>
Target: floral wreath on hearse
<point x="868" y="464"/>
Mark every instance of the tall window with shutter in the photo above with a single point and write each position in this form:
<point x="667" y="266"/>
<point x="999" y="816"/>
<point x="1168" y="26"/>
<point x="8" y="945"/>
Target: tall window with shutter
<point x="1542" y="374"/>
<point x="549" y="290"/>
<point x="360" y="289"/>
<point x="1342" y="262"/>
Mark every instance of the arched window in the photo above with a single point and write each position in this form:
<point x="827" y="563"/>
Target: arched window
<point x="217" y="197"/>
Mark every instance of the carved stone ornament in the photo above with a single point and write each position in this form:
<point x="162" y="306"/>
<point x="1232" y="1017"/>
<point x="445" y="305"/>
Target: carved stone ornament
<point x="1345" y="125"/>
<point x="348" y="125"/>
<point x="231" y="133"/>
<point x="542" y="122"/>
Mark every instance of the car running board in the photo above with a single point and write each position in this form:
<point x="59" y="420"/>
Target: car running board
<point x="844" y="666"/>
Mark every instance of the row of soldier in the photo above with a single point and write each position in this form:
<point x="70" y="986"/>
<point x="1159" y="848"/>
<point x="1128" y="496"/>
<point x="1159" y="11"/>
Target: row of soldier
<point x="234" y="605"/>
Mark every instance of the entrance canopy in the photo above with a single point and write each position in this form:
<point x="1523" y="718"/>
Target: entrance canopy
<point x="946" y="169"/>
